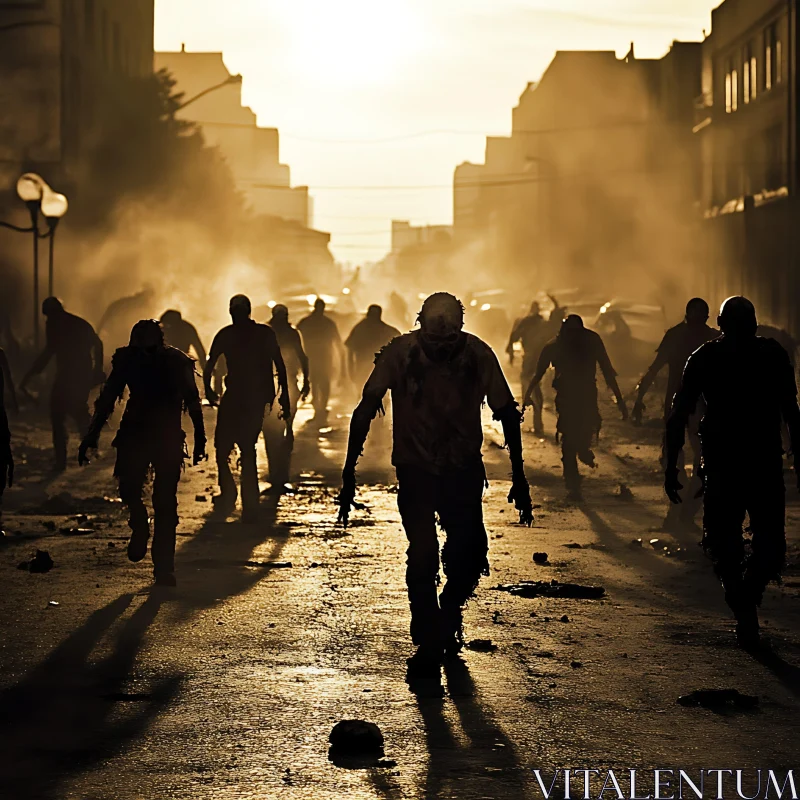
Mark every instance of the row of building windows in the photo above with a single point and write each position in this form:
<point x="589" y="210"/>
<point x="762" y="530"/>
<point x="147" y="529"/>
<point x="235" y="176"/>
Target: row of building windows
<point x="752" y="81"/>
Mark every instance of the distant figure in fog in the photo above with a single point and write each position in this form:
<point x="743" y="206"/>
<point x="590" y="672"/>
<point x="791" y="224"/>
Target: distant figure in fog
<point x="123" y="313"/>
<point x="575" y="355"/>
<point x="398" y="311"/>
<point x="673" y="352"/>
<point x="161" y="384"/>
<point x="322" y="342"/>
<point x="279" y="432"/>
<point x="253" y="357"/>
<point x="78" y="352"/>
<point x="365" y="341"/>
<point x="180" y="333"/>
<point x="533" y="332"/>
<point x="749" y="388"/>
<point x="439" y="378"/>
<point x="6" y="457"/>
<point x="783" y="338"/>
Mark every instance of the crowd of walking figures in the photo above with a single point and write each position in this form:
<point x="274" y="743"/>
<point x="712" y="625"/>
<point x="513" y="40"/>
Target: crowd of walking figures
<point x="731" y="389"/>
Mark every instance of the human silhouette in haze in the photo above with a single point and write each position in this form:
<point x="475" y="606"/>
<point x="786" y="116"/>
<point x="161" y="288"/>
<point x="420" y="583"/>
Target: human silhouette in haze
<point x="78" y="353"/>
<point x="253" y="358"/>
<point x="161" y="383"/>
<point x="575" y="354"/>
<point x="180" y="333"/>
<point x="365" y="341"/>
<point x="749" y="389"/>
<point x="439" y="377"/>
<point x="323" y="345"/>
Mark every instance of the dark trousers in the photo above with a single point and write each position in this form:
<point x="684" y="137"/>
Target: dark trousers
<point x="68" y="400"/>
<point x="278" y="442"/>
<point x="756" y="489"/>
<point x="457" y="499"/>
<point x="239" y="423"/>
<point x="321" y="378"/>
<point x="528" y="371"/>
<point x="134" y="461"/>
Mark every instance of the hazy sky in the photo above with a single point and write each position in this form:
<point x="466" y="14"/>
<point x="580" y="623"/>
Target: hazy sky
<point x="393" y="93"/>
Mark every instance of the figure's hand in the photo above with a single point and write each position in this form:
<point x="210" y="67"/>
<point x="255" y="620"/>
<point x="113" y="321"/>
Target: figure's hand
<point x="199" y="455"/>
<point x="212" y="397"/>
<point x="672" y="486"/>
<point x="286" y="409"/>
<point x="306" y="390"/>
<point x="520" y="496"/>
<point x="638" y="411"/>
<point x="347" y="497"/>
<point x="83" y="450"/>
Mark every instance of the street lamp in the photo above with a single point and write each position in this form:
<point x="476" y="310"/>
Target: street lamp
<point x="54" y="206"/>
<point x="30" y="188"/>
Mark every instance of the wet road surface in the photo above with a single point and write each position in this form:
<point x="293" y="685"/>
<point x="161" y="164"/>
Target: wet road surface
<point x="229" y="686"/>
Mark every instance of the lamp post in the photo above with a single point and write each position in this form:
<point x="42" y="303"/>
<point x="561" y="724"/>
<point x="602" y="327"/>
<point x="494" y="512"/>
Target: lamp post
<point x="30" y="188"/>
<point x="54" y="206"/>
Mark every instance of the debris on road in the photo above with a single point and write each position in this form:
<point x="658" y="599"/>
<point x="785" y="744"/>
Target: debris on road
<point x="201" y="498"/>
<point x="540" y="558"/>
<point x="356" y="737"/>
<point x="573" y="546"/>
<point x="482" y="646"/>
<point x="716" y="699"/>
<point x="624" y="493"/>
<point x="76" y="531"/>
<point x="54" y="603"/>
<point x="572" y="591"/>
<point x="636" y="543"/>
<point x="655" y="543"/>
<point x="269" y="564"/>
<point x="565" y="618"/>
<point x="40" y="563"/>
<point x="576" y="664"/>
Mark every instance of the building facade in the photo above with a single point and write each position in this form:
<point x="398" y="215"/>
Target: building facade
<point x="252" y="152"/>
<point x="60" y="61"/>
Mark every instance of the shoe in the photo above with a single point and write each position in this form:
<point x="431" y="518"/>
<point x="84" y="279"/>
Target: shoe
<point x="748" y="633"/>
<point x="587" y="457"/>
<point x="137" y="545"/>
<point x="452" y="632"/>
<point x="250" y="517"/>
<point x="425" y="664"/>
<point x="539" y="433"/>
<point x="224" y="502"/>
<point x="166" y="579"/>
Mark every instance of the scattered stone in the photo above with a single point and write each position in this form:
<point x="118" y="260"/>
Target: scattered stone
<point x="624" y="493"/>
<point x="575" y="664"/>
<point x="269" y="564"/>
<point x="540" y="558"/>
<point x="355" y="737"/>
<point x="112" y="544"/>
<point x="40" y="563"/>
<point x="201" y="498"/>
<point x="482" y="646"/>
<point x="573" y="591"/>
<point x="565" y="618"/>
<point x="624" y="655"/>
<point x="49" y="525"/>
<point x="574" y="546"/>
<point x="719" y="699"/>
<point x="54" y="603"/>
<point x="3" y="538"/>
<point x="76" y="531"/>
<point x="655" y="543"/>
<point x="636" y="543"/>
<point x="497" y="618"/>
<point x="113" y="500"/>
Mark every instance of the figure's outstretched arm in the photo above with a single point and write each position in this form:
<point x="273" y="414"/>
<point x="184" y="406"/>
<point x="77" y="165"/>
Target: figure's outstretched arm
<point x="645" y="383"/>
<point x="541" y="368"/>
<point x="112" y="391"/>
<point x="208" y="371"/>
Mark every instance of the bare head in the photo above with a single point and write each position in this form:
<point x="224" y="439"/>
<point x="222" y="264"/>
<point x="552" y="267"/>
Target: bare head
<point x="240" y="308"/>
<point x="319" y="305"/>
<point x="441" y="320"/>
<point x="147" y="335"/>
<point x="280" y="313"/>
<point x="171" y="317"/>
<point x="697" y="311"/>
<point x="374" y="312"/>
<point x="737" y="318"/>
<point x="572" y="322"/>
<point x="52" y="306"/>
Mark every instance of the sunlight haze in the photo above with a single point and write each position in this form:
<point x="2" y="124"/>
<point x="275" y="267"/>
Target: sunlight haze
<point x="378" y="95"/>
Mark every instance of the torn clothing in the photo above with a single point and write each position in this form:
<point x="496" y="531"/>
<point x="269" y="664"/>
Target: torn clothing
<point x="456" y="497"/>
<point x="161" y="385"/>
<point x="674" y="351"/>
<point x="437" y="405"/>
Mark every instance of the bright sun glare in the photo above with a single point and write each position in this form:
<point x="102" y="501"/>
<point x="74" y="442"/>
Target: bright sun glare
<point x="357" y="42"/>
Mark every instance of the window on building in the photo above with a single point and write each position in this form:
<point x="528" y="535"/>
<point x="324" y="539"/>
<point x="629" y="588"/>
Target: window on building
<point x="728" y="93"/>
<point x="753" y="73"/>
<point x="734" y="90"/>
<point x="746" y="77"/>
<point x="778" y="61"/>
<point x="772" y="55"/>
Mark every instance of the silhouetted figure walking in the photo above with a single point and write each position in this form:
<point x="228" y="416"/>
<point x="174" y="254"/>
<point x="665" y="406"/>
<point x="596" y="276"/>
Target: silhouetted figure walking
<point x="365" y="341"/>
<point x="322" y="342"/>
<point x="575" y="355"/>
<point x="6" y="457"/>
<point x="439" y="378"/>
<point x="533" y="332"/>
<point x="180" y="333"/>
<point x="78" y="352"/>
<point x="161" y="384"/>
<point x="677" y="345"/>
<point x="122" y="314"/>
<point x="749" y="387"/>
<point x="279" y="431"/>
<point x="253" y="357"/>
